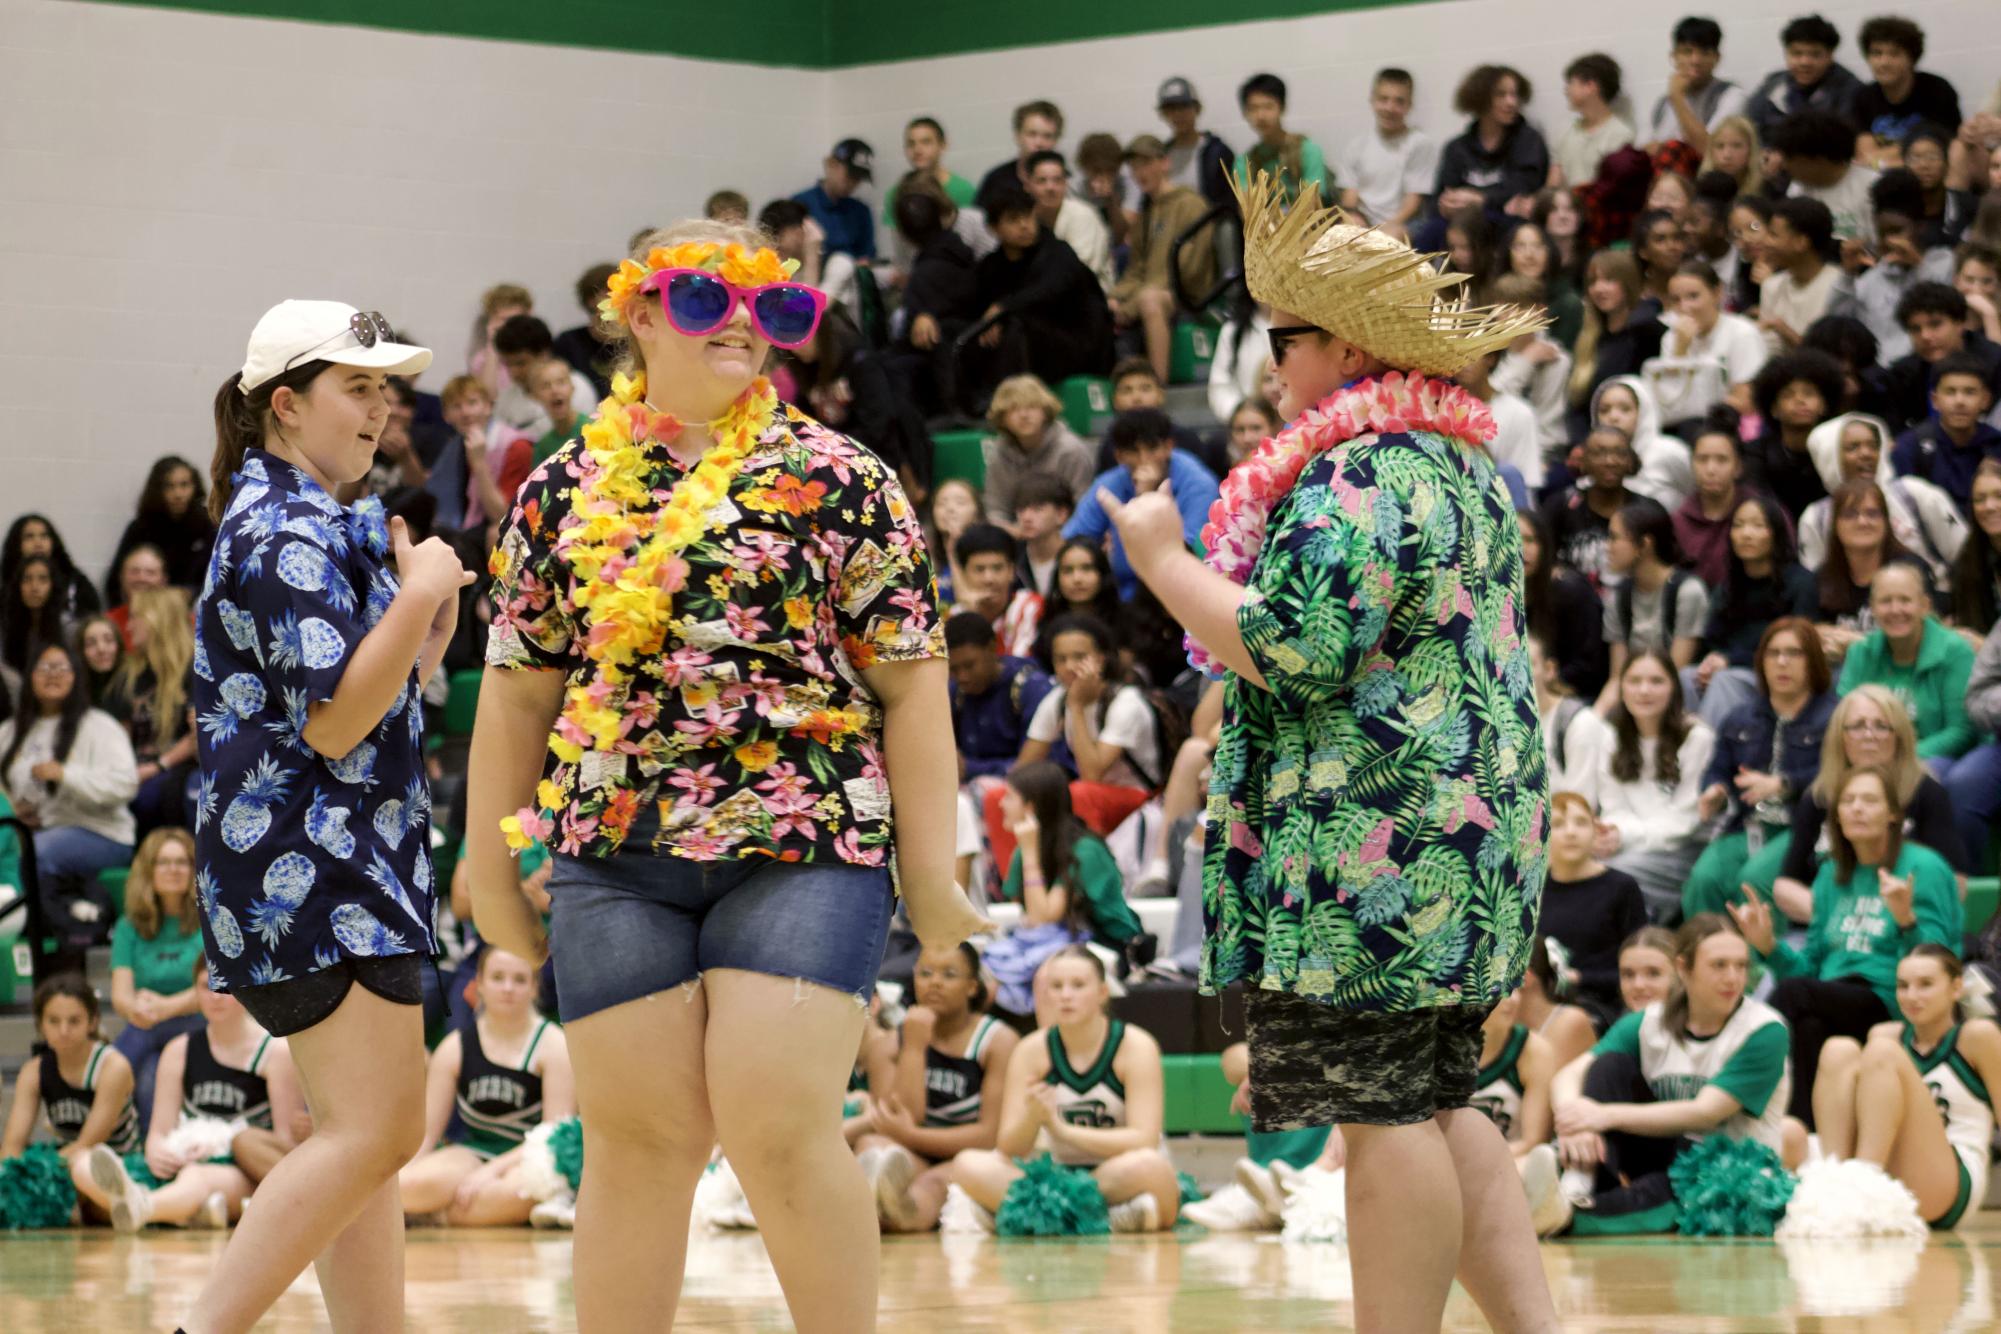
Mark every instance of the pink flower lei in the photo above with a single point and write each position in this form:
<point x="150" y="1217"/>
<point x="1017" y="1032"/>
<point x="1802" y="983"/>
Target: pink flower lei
<point x="1395" y="402"/>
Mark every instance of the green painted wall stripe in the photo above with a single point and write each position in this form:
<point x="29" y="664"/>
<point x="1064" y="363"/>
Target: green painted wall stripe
<point x="818" y="34"/>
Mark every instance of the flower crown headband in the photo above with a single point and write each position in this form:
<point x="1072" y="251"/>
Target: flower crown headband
<point x="733" y="263"/>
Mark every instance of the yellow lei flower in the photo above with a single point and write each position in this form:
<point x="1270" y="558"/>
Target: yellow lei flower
<point x="627" y="562"/>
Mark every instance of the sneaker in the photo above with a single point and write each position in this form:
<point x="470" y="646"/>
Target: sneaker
<point x="1548" y="1209"/>
<point x="1288" y="1177"/>
<point x="896" y="1170"/>
<point x="1231" y="1209"/>
<point x="1579" y="1187"/>
<point x="1262" y="1185"/>
<point x="1139" y="1214"/>
<point x="131" y="1203"/>
<point x="213" y="1216"/>
<point x="558" y="1211"/>
<point x="964" y="1216"/>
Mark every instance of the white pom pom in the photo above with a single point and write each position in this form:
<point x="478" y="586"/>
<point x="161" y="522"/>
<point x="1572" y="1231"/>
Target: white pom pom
<point x="198" y="1138"/>
<point x="1317" y="1208"/>
<point x="719" y="1199"/>
<point x="535" y="1176"/>
<point x="1850" y="1198"/>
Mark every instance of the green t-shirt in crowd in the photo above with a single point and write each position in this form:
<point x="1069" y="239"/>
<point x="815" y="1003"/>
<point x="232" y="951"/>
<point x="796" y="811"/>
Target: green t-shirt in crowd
<point x="556" y="439"/>
<point x="957" y="189"/>
<point x="1852" y="934"/>
<point x="1112" y="918"/>
<point x="164" y="964"/>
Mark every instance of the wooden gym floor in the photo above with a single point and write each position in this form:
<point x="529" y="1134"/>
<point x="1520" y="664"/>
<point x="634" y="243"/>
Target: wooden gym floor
<point x="498" y="1282"/>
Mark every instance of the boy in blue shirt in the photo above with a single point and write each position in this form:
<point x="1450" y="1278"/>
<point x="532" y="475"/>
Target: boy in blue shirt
<point x="1948" y="448"/>
<point x="1143" y="444"/>
<point x="846" y="220"/>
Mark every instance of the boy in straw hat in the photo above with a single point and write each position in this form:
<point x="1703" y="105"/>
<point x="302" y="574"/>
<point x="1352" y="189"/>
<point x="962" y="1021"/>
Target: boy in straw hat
<point x="1376" y="820"/>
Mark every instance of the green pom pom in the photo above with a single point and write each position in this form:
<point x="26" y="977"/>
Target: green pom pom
<point x="1050" y="1200"/>
<point x="142" y="1175"/>
<point x="566" y="1145"/>
<point x="1730" y="1188"/>
<point x="35" y="1189"/>
<point x="1190" y="1192"/>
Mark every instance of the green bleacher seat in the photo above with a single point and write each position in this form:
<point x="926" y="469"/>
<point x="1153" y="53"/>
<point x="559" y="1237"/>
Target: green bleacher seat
<point x="1197" y="1097"/>
<point x="958" y="454"/>
<point x="1983" y="897"/>
<point x="462" y="702"/>
<point x="1194" y="347"/>
<point x="1085" y="399"/>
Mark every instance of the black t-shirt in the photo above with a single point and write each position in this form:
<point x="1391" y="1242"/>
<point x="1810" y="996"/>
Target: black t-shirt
<point x="1591" y="918"/>
<point x="1932" y="101"/>
<point x="1579" y="533"/>
<point x="1929" y="821"/>
<point x="1786" y="475"/>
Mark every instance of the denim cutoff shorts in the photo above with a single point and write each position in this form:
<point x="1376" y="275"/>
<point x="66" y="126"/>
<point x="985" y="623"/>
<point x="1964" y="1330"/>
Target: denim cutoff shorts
<point x="631" y="925"/>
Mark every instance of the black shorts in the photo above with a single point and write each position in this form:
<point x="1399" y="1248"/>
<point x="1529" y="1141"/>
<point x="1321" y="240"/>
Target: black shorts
<point x="296" y="1004"/>
<point x="1313" y="1065"/>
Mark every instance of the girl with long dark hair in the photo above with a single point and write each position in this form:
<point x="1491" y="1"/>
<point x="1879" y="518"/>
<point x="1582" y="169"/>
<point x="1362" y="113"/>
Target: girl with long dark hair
<point x="1976" y="574"/>
<point x="1863" y="544"/>
<point x="1563" y="609"/>
<point x="31" y="614"/>
<point x="173" y="519"/>
<point x="1657" y="604"/>
<point x="1761" y="583"/>
<point x="35" y="535"/>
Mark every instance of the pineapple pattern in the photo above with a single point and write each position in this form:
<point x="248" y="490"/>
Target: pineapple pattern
<point x="1377" y="816"/>
<point x="304" y="861"/>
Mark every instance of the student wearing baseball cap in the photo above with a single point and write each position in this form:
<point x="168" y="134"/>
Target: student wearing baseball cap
<point x="1144" y="297"/>
<point x="315" y="632"/>
<point x="847" y="222"/>
<point x="1196" y="158"/>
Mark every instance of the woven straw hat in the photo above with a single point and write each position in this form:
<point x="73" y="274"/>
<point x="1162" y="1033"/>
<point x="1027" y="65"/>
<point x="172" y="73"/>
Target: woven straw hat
<point x="1364" y="287"/>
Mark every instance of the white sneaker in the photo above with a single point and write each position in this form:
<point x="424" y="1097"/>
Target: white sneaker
<point x="1139" y="1214"/>
<point x="131" y="1203"/>
<point x="1548" y="1209"/>
<point x="896" y="1169"/>
<point x="1231" y="1209"/>
<point x="1262" y="1184"/>
<point x="964" y="1216"/>
<point x="213" y="1216"/>
<point x="558" y="1211"/>
<point x="1288" y="1177"/>
<point x="1579" y="1187"/>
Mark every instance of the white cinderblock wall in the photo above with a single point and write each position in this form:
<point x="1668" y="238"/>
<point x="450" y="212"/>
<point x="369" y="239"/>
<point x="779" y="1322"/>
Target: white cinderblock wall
<point x="165" y="176"/>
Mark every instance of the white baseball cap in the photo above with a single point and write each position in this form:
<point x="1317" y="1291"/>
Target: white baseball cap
<point x="295" y="332"/>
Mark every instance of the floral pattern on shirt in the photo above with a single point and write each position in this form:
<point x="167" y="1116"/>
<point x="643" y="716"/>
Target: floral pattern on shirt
<point x="1376" y="817"/>
<point x="754" y="732"/>
<point x="301" y="860"/>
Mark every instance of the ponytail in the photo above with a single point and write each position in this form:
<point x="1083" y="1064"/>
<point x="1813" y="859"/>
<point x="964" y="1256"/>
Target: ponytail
<point x="237" y="429"/>
<point x="239" y="426"/>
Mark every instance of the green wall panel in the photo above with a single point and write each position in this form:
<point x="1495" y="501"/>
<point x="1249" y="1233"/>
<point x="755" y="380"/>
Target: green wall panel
<point x="815" y="33"/>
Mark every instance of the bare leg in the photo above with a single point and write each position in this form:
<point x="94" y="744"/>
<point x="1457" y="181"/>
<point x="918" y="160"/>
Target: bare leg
<point x="985" y="1175"/>
<point x="1498" y="1260"/>
<point x="428" y="1184"/>
<point x="363" y="1068"/>
<point x="1404" y="1225"/>
<point x="257" y="1152"/>
<point x="647" y="1135"/>
<point x="182" y="1198"/>
<point x="1183" y="794"/>
<point x="779" y="1051"/>
<point x="1141" y="1171"/>
<point x="495" y="1204"/>
<point x="927" y="1197"/>
<point x="1156" y="316"/>
<point x="1834" y="1095"/>
<point x="1890" y="1092"/>
<point x="361" y="1273"/>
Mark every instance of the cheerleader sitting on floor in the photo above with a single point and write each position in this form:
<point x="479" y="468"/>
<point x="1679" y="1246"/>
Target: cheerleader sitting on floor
<point x="221" y="1082"/>
<point x="75" y="1079"/>
<point x="951" y="1068"/>
<point x="1089" y="1092"/>
<point x="505" y="1073"/>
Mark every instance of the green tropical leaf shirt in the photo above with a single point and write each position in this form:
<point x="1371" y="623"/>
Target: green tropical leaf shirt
<point x="1377" y="815"/>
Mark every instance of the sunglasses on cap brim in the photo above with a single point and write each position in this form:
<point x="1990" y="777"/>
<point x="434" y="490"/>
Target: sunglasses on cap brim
<point x="368" y="328"/>
<point x="698" y="303"/>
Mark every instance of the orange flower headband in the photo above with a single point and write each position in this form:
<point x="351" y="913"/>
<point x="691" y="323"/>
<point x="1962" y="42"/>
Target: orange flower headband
<point x="732" y="263"/>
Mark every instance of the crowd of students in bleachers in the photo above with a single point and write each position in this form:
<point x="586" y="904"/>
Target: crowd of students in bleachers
<point x="1757" y="467"/>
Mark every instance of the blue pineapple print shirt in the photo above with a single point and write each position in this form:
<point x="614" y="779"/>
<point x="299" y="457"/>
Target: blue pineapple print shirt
<point x="301" y="861"/>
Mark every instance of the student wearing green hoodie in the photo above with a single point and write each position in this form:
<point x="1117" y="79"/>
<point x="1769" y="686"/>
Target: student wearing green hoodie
<point x="1917" y="659"/>
<point x="1875" y="899"/>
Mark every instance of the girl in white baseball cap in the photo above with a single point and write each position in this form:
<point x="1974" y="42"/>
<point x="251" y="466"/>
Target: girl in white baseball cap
<point x="316" y="629"/>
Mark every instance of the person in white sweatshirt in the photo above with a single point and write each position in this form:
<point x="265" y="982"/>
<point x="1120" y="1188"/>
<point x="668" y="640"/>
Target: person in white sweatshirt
<point x="1642" y="764"/>
<point x="1535" y="368"/>
<point x="1666" y="472"/>
<point x="71" y="774"/>
<point x="1922" y="515"/>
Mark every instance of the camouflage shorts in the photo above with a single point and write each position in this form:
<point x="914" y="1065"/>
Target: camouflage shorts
<point x="1313" y="1065"/>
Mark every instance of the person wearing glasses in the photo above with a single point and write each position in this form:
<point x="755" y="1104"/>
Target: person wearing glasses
<point x="716" y="613"/>
<point x="316" y="629"/>
<point x="1375" y="857"/>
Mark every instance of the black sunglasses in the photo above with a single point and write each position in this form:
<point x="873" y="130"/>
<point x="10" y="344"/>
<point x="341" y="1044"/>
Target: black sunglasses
<point x="1284" y="336"/>
<point x="368" y="327"/>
